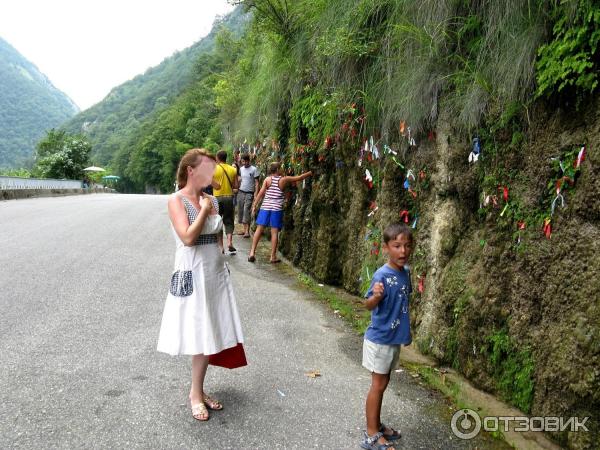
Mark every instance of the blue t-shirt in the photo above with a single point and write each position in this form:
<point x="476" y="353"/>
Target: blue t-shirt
<point x="390" y="320"/>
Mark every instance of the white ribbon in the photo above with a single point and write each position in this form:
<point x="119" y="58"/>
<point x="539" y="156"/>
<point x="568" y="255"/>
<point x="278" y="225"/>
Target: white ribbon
<point x="562" y="201"/>
<point x="580" y="157"/>
<point x="414" y="225"/>
<point x="411" y="140"/>
<point x="387" y="149"/>
<point x="375" y="152"/>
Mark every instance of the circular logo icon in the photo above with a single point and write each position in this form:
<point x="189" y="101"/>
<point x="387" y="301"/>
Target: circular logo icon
<point x="465" y="424"/>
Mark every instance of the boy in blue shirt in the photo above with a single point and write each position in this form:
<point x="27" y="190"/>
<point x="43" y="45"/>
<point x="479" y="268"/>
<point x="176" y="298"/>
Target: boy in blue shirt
<point x="387" y="299"/>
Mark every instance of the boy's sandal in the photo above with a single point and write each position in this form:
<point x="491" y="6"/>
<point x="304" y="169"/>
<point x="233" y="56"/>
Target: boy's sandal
<point x="213" y="404"/>
<point x="199" y="412"/>
<point x="251" y="259"/>
<point x="275" y="261"/>
<point x="370" y="442"/>
<point x="392" y="436"/>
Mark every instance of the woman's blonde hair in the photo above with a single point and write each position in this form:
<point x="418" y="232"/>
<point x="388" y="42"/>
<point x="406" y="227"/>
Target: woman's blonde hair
<point x="189" y="160"/>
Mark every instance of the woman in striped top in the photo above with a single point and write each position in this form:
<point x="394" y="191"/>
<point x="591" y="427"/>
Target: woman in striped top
<point x="271" y="211"/>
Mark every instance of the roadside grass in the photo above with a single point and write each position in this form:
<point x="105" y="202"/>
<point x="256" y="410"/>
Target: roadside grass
<point x="346" y="306"/>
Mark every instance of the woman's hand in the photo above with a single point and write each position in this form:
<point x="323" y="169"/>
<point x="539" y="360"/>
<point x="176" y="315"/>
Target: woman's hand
<point x="207" y="203"/>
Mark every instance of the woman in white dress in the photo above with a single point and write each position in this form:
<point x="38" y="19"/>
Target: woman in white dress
<point x="200" y="316"/>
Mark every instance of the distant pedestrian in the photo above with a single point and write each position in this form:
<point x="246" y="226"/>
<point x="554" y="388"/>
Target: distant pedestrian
<point x="388" y="301"/>
<point x="226" y="176"/>
<point x="236" y="165"/>
<point x="249" y="175"/>
<point x="271" y="210"/>
<point x="200" y="317"/>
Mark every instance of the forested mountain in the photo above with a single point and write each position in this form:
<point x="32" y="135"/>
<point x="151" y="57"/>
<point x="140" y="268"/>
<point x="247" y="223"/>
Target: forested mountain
<point x="29" y="105"/>
<point x="114" y="125"/>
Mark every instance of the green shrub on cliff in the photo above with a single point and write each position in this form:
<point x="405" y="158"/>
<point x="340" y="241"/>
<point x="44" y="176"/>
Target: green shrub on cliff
<point x="570" y="60"/>
<point x="513" y="369"/>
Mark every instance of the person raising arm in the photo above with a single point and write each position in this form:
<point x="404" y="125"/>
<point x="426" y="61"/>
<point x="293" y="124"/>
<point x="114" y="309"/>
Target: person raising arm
<point x="271" y="211"/>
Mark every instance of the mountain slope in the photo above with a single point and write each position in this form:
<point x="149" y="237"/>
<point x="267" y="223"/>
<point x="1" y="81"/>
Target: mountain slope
<point x="110" y="123"/>
<point x="29" y="105"/>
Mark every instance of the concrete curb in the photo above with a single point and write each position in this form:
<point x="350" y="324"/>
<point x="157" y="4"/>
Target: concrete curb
<point x="16" y="194"/>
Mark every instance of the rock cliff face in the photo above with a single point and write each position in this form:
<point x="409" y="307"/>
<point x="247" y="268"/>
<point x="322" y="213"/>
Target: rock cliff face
<point x="515" y="310"/>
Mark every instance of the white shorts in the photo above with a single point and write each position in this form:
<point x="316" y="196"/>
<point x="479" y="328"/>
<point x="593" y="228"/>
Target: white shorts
<point x="380" y="358"/>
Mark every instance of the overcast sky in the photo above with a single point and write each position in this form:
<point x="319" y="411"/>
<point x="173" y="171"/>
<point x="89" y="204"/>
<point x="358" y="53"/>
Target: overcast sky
<point x="87" y="47"/>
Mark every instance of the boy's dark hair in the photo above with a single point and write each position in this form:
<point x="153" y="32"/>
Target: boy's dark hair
<point x="274" y="167"/>
<point x="245" y="157"/>
<point x="395" y="229"/>
<point x="222" y="155"/>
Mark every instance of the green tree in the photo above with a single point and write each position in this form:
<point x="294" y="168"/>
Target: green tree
<point x="62" y="155"/>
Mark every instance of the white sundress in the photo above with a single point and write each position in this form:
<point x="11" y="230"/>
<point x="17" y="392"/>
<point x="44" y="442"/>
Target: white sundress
<point x="205" y="320"/>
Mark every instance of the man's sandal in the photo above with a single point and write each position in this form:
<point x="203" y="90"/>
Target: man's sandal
<point x="392" y="436"/>
<point x="370" y="442"/>
<point x="213" y="404"/>
<point x="199" y="412"/>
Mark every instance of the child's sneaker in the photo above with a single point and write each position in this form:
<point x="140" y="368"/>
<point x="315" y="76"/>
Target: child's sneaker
<point x="232" y="250"/>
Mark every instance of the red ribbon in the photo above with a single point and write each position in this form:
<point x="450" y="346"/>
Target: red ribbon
<point x="421" y="285"/>
<point x="547" y="229"/>
<point x="561" y="182"/>
<point x="504" y="190"/>
<point x="404" y="215"/>
<point x="375" y="248"/>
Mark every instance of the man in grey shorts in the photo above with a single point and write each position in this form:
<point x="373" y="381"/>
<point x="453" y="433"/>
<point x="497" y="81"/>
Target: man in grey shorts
<point x="248" y="187"/>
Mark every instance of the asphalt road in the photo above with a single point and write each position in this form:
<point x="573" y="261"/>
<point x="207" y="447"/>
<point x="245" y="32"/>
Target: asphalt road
<point x="83" y="280"/>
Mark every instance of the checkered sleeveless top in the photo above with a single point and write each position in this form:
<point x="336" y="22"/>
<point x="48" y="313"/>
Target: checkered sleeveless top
<point x="192" y="213"/>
